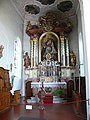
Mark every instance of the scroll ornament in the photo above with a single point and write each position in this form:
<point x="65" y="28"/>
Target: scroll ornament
<point x="1" y="50"/>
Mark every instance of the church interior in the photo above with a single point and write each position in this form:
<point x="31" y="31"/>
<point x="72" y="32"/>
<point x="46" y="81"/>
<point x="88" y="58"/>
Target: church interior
<point x="42" y="65"/>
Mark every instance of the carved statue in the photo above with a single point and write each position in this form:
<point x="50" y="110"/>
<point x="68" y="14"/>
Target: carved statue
<point x="72" y="59"/>
<point x="26" y="60"/>
<point x="29" y="26"/>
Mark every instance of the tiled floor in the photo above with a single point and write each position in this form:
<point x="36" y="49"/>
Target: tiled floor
<point x="51" y="112"/>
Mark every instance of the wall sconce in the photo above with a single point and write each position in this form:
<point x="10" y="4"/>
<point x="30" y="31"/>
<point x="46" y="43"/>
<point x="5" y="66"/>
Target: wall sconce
<point x="1" y="50"/>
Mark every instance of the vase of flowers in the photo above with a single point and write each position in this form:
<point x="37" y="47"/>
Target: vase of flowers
<point x="58" y="95"/>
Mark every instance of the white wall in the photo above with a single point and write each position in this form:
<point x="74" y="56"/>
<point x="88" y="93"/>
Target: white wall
<point x="26" y="48"/>
<point x="80" y="42"/>
<point x="85" y="17"/>
<point x="73" y="40"/>
<point x="11" y="27"/>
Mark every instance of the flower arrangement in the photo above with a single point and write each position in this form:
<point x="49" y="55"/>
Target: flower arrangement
<point x="58" y="92"/>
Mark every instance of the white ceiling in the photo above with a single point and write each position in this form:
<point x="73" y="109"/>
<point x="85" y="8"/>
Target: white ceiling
<point x="20" y="6"/>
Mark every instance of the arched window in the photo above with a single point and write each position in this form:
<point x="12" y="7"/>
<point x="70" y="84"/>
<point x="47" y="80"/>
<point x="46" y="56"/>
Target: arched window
<point x="17" y="57"/>
<point x="81" y="61"/>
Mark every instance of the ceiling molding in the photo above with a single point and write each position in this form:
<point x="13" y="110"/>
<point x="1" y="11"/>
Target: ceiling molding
<point x="20" y="7"/>
<point x="22" y="17"/>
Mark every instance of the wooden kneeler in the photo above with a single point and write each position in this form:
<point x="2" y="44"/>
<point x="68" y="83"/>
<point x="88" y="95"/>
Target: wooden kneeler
<point x="16" y="97"/>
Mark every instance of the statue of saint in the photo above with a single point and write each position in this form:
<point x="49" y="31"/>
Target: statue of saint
<point x="26" y="60"/>
<point x="72" y="59"/>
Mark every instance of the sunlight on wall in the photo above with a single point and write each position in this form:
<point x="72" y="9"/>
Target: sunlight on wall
<point x="86" y="31"/>
<point x="16" y="85"/>
<point x="17" y="57"/>
<point x="82" y="73"/>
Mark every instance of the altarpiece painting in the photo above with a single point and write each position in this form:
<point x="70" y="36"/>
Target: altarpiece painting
<point x="49" y="47"/>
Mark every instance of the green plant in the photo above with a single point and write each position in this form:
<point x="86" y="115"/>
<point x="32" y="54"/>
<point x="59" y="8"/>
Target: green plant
<point x="58" y="92"/>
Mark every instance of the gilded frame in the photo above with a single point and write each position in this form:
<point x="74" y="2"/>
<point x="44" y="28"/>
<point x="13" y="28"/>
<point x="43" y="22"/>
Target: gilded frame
<point x="42" y="40"/>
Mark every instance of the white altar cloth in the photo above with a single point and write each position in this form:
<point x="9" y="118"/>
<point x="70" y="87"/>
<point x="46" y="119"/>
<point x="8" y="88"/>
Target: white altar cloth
<point x="49" y="84"/>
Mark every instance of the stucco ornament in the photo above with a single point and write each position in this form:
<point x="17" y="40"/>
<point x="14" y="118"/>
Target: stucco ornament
<point x="48" y="22"/>
<point x="1" y="50"/>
